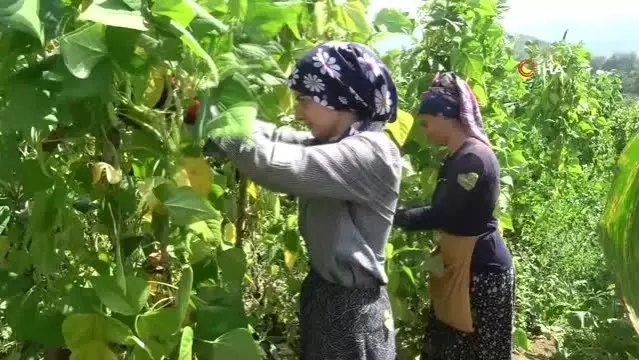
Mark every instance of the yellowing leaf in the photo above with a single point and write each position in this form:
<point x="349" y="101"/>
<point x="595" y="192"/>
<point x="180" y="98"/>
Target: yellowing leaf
<point x="182" y="178"/>
<point x="251" y="189"/>
<point x="400" y="129"/>
<point x="112" y="174"/>
<point x="230" y="233"/>
<point x="289" y="258"/>
<point x="199" y="174"/>
<point x="154" y="88"/>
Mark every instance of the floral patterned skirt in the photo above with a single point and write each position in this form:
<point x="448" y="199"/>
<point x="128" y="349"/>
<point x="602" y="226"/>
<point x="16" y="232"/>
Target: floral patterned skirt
<point x="340" y="323"/>
<point x="492" y="297"/>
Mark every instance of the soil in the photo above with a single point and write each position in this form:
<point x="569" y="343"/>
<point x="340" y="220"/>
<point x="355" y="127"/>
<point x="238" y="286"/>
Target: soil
<point x="542" y="349"/>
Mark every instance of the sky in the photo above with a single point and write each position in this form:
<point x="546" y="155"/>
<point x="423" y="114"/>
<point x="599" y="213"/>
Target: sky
<point x="604" y="26"/>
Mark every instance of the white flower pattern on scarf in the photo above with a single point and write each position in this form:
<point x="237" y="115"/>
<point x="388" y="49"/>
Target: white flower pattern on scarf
<point x="313" y="83"/>
<point x="371" y="66"/>
<point x="295" y="75"/>
<point x="326" y="64"/>
<point x="322" y="102"/>
<point x="349" y="77"/>
<point x="383" y="100"/>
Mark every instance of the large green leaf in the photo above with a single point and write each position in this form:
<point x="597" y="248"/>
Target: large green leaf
<point x="236" y="344"/>
<point x="179" y="11"/>
<point x="394" y="20"/>
<point x="232" y="262"/>
<point x="81" y="329"/>
<point x="187" y="206"/>
<point x="236" y="121"/>
<point x="351" y="16"/>
<point x="265" y="18"/>
<point x="190" y="41"/>
<point x="83" y="49"/>
<point x="157" y="329"/>
<point x="27" y="106"/>
<point x="619" y="232"/>
<point x="114" y="13"/>
<point x="400" y="128"/>
<point x="129" y="302"/>
<point x="22" y="15"/>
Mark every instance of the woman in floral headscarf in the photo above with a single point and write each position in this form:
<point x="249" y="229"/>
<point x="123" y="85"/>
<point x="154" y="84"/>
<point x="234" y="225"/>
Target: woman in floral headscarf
<point x="472" y="299"/>
<point x="346" y="173"/>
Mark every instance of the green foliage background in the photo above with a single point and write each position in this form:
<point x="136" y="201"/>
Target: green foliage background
<point x="118" y="241"/>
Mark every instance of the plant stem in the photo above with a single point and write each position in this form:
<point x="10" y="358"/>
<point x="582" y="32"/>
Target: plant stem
<point x="241" y="211"/>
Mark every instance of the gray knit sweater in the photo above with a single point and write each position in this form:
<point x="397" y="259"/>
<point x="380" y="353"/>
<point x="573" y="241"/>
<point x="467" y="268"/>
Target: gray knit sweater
<point x="347" y="190"/>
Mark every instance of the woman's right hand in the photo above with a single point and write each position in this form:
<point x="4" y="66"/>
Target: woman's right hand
<point x="399" y="219"/>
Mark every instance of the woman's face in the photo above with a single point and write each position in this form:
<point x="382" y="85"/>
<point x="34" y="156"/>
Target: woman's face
<point x="322" y="121"/>
<point x="437" y="128"/>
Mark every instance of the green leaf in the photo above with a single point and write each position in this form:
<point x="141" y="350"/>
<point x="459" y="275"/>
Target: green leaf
<point x="27" y="106"/>
<point x="80" y="329"/>
<point x="113" y="13"/>
<point x="480" y="94"/>
<point x="186" y="207"/>
<point x="236" y="121"/>
<point x="517" y="158"/>
<point x="238" y="8"/>
<point x="321" y="17"/>
<point x="112" y="296"/>
<point x="619" y="227"/>
<point x="267" y="18"/>
<point x="205" y="17"/>
<point x="178" y="10"/>
<point x="188" y="40"/>
<point x="186" y="344"/>
<point x="520" y="340"/>
<point x="232" y="262"/>
<point x="505" y="222"/>
<point x="94" y="350"/>
<point x="394" y="20"/>
<point x="400" y="128"/>
<point x="485" y="7"/>
<point x="236" y="344"/>
<point x="214" y="321"/>
<point x="351" y="16"/>
<point x="157" y="329"/>
<point x="83" y="49"/>
<point x="23" y="16"/>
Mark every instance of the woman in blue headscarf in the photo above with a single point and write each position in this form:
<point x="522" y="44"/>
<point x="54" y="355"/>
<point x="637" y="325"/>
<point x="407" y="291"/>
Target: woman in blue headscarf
<point x="472" y="299"/>
<point x="346" y="173"/>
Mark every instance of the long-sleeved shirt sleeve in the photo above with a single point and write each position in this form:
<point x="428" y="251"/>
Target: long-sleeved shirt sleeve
<point x="361" y="168"/>
<point x="454" y="195"/>
<point x="283" y="134"/>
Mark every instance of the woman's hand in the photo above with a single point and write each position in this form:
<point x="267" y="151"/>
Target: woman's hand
<point x="400" y="219"/>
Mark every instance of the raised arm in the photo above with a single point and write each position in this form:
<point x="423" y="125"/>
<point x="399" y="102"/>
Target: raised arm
<point x="361" y="168"/>
<point x="461" y="179"/>
<point x="283" y="134"/>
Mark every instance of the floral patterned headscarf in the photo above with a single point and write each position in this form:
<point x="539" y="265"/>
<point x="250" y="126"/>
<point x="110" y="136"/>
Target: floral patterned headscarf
<point x="347" y="76"/>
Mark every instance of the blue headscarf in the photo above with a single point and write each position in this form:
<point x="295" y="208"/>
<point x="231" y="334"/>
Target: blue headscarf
<point x="348" y="76"/>
<point x="451" y="96"/>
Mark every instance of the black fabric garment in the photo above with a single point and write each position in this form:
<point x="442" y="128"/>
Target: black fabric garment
<point x="463" y="204"/>
<point x="345" y="323"/>
<point x="492" y="297"/>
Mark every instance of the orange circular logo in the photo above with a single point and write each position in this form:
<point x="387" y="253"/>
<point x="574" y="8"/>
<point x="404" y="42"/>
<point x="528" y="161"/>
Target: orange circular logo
<point x="526" y="68"/>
